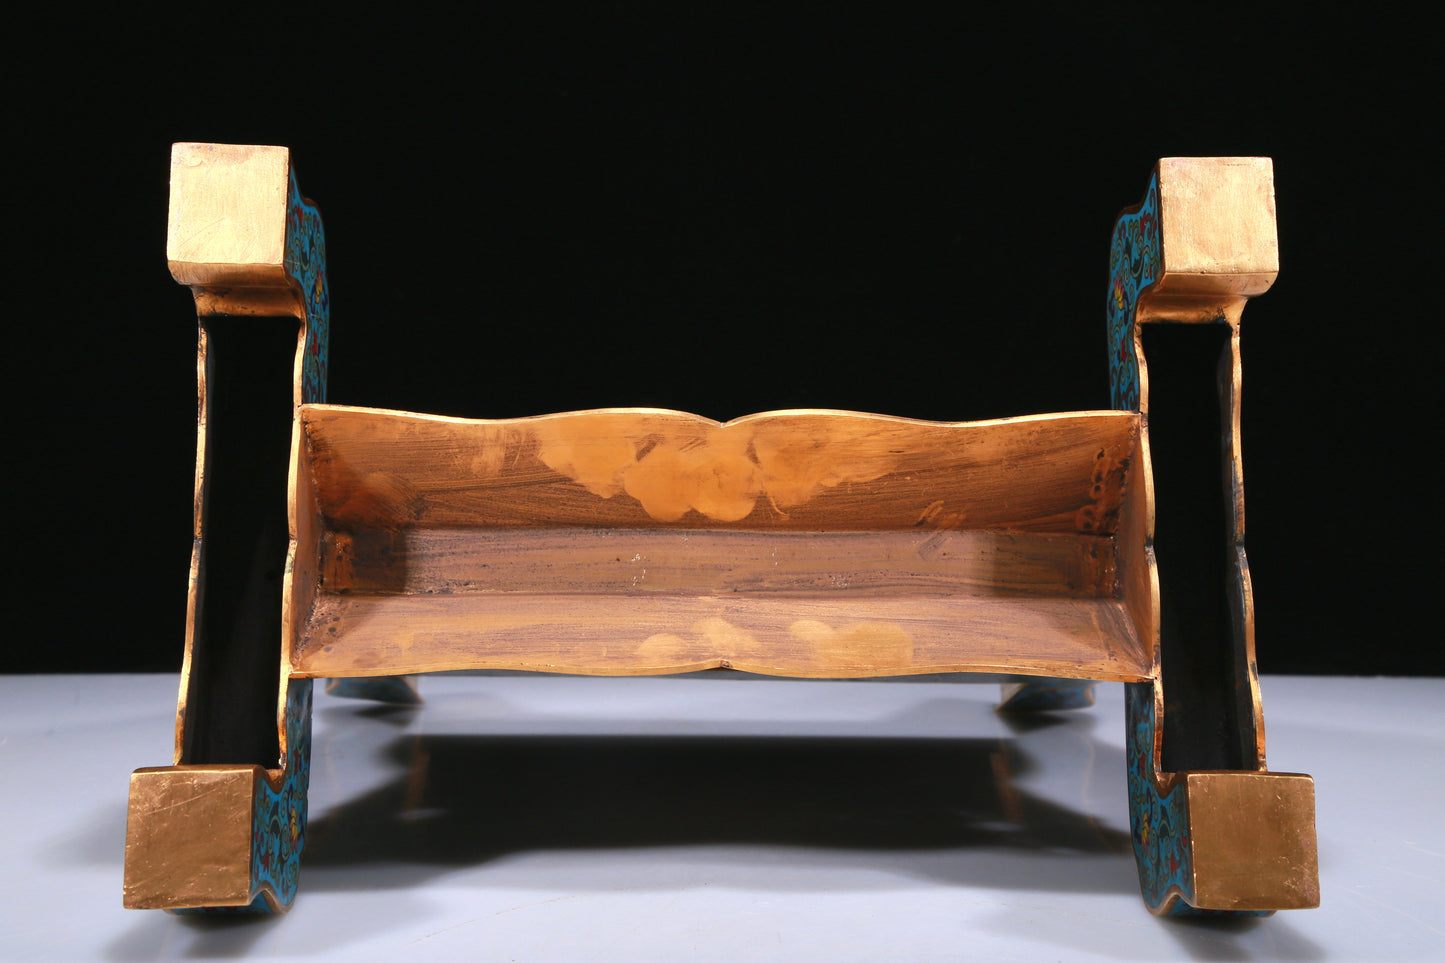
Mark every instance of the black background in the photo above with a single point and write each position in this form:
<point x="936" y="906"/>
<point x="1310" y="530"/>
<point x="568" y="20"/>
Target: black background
<point x="724" y="210"/>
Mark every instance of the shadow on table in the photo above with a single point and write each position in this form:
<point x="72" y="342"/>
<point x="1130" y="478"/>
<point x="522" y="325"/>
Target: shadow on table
<point x="919" y="807"/>
<point x="776" y="813"/>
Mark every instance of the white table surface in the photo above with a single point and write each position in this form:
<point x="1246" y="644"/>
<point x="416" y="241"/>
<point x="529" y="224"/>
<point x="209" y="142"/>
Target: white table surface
<point x="719" y="817"/>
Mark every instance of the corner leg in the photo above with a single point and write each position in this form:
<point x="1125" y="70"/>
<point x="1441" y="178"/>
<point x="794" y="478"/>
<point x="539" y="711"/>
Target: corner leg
<point x="1216" y="843"/>
<point x="392" y="689"/>
<point x="223" y="828"/>
<point x="1046" y="695"/>
<point x="223" y="837"/>
<point x="1213" y="830"/>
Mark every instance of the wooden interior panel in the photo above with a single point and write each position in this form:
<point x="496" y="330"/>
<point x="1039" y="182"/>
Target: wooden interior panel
<point x="572" y="561"/>
<point x="800" y="470"/>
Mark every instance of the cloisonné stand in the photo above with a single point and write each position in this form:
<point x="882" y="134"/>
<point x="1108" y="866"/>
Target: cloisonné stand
<point x="365" y="546"/>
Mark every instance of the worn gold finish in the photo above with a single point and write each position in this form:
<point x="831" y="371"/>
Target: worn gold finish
<point x="188" y="837"/>
<point x="226" y="236"/>
<point x="1217" y="221"/>
<point x="1253" y="840"/>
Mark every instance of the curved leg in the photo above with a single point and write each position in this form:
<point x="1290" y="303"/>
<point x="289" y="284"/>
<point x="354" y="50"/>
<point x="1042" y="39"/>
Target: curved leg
<point x="223" y="837"/>
<point x="1216" y="843"/>
<point x="1213" y="831"/>
<point x="1046" y="695"/>
<point x="224" y="827"/>
<point x="393" y="689"/>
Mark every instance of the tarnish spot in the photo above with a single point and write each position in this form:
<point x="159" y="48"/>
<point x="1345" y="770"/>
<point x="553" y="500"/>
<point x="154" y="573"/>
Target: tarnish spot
<point x="595" y="462"/>
<point x="1106" y="493"/>
<point x="715" y="638"/>
<point x="936" y="518"/>
<point x="727" y="637"/>
<point x="380" y="495"/>
<point x="718" y="471"/>
<point x="797" y="464"/>
<point x="486" y="457"/>
<point x="663" y="648"/>
<point x="715" y="478"/>
<point x="865" y="643"/>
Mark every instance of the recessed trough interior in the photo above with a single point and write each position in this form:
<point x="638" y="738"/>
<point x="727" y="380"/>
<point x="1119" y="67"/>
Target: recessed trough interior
<point x="637" y="541"/>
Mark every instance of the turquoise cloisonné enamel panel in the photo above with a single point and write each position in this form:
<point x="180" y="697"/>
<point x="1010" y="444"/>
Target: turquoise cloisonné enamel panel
<point x="278" y="816"/>
<point x="278" y="829"/>
<point x="306" y="265"/>
<point x="278" y="819"/>
<point x="1158" y="824"/>
<point x="1134" y="263"/>
<point x="278" y="825"/>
